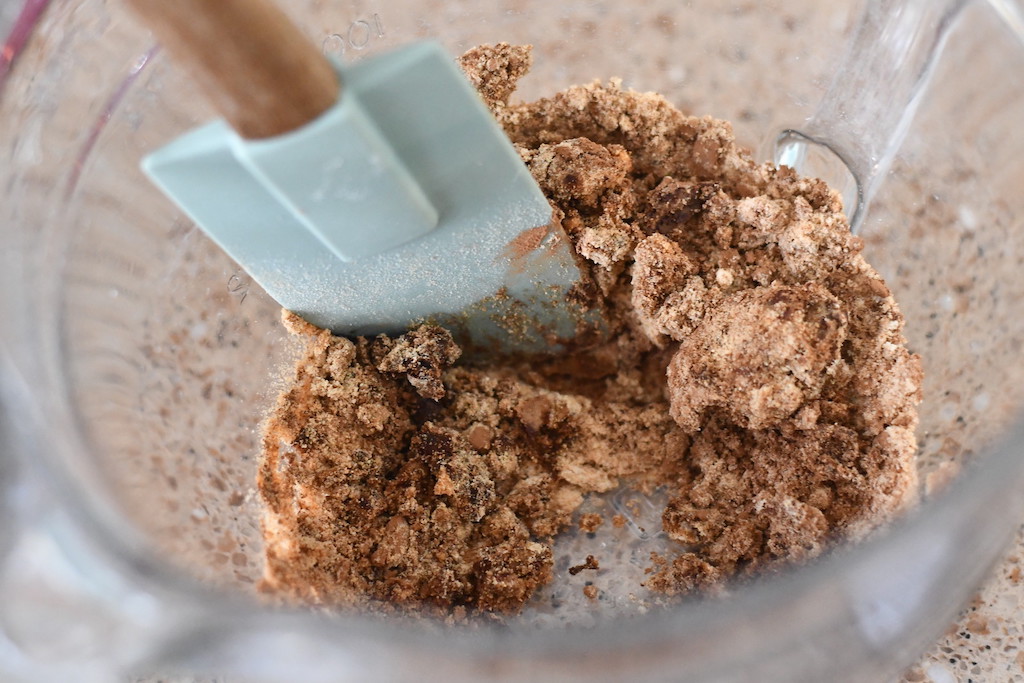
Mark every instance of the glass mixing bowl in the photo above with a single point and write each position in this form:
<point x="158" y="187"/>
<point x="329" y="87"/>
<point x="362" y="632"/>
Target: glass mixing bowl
<point x="138" y="359"/>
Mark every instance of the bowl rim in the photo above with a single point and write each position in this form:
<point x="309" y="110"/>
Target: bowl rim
<point x="999" y="469"/>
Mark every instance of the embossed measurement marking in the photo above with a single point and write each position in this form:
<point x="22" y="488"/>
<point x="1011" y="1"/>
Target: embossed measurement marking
<point x="359" y="35"/>
<point x="238" y="285"/>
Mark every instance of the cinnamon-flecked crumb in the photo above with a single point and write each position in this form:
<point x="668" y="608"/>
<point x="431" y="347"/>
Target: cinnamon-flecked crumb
<point x="590" y="522"/>
<point x="755" y="368"/>
<point x="422" y="355"/>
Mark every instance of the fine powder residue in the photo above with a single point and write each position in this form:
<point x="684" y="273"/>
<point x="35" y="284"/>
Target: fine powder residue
<point x="756" y="369"/>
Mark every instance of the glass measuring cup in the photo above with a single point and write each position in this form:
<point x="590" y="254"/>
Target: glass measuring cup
<point x="140" y="359"/>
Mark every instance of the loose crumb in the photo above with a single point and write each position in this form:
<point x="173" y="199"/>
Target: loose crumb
<point x="590" y="563"/>
<point x="591" y="592"/>
<point x="590" y="522"/>
<point x="755" y="368"/>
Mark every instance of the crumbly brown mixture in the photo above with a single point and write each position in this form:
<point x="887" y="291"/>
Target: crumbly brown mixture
<point x="755" y="367"/>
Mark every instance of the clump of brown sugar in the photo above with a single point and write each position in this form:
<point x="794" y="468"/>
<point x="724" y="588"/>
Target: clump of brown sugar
<point x="755" y="368"/>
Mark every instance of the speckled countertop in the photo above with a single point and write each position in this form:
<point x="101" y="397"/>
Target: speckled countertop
<point x="987" y="644"/>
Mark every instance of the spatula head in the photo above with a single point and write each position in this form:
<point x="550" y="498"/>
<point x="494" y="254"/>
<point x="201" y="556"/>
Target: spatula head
<point x="405" y="202"/>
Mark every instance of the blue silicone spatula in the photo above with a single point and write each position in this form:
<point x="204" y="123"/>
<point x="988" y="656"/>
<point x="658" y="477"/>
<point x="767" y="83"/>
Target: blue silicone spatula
<point x="364" y="197"/>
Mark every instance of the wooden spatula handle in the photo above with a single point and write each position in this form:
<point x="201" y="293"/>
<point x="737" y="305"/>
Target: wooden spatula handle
<point x="261" y="73"/>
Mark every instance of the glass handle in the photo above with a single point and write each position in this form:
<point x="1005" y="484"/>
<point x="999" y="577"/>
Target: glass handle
<point x="854" y="133"/>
